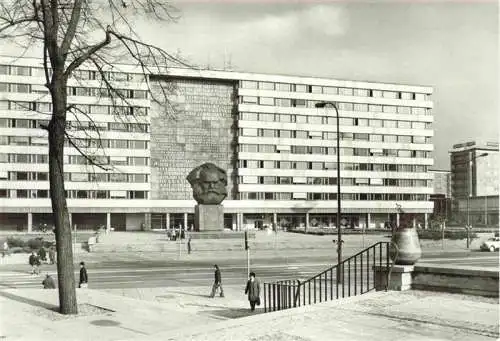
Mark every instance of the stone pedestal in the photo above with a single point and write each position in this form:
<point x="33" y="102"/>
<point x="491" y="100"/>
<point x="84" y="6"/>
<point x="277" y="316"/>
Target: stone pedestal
<point x="208" y="218"/>
<point x="401" y="277"/>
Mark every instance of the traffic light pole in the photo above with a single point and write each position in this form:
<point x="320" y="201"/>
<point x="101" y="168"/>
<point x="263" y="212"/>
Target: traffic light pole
<point x="247" y="248"/>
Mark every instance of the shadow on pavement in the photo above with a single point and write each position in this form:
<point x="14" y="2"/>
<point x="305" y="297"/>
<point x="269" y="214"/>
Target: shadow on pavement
<point x="183" y="293"/>
<point x="233" y="313"/>
<point x="29" y="301"/>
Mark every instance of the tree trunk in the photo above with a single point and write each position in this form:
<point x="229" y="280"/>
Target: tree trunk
<point x="65" y="268"/>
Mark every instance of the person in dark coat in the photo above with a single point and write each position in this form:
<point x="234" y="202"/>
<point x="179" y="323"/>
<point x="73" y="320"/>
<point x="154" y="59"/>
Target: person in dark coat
<point x="217" y="282"/>
<point x="52" y="255"/>
<point x="34" y="262"/>
<point x="42" y="254"/>
<point x="253" y="291"/>
<point x="83" y="276"/>
<point x="189" y="245"/>
<point x="48" y="282"/>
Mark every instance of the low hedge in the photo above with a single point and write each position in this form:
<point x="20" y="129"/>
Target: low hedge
<point x="15" y="242"/>
<point x="32" y="244"/>
<point x="448" y="234"/>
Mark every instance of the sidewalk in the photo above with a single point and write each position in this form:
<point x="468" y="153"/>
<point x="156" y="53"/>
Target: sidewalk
<point x="135" y="246"/>
<point x="188" y="314"/>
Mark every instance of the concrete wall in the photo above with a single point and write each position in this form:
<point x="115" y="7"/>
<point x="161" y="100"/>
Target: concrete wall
<point x="133" y="221"/>
<point x="473" y="281"/>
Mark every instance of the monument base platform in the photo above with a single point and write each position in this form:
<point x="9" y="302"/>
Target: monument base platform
<point x="209" y="218"/>
<point x="221" y="235"/>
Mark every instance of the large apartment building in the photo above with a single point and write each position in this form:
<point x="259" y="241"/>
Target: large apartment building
<point x="279" y="149"/>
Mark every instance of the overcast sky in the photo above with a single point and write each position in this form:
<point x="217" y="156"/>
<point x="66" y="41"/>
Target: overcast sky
<point x="450" y="45"/>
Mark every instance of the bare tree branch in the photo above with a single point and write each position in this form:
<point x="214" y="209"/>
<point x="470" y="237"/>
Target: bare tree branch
<point x="72" y="26"/>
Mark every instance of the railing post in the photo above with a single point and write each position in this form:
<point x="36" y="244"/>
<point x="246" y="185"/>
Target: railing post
<point x="387" y="255"/>
<point x="265" y="302"/>
<point x="349" y="278"/>
<point x="309" y="293"/>
<point x="320" y="291"/>
<point x="269" y="296"/>
<point x="274" y="297"/>
<point x="361" y="274"/>
<point x="278" y="295"/>
<point x="355" y="275"/>
<point x="331" y="283"/>
<point x="314" y="289"/>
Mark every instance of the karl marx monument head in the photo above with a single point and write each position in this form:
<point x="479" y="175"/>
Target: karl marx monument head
<point x="209" y="184"/>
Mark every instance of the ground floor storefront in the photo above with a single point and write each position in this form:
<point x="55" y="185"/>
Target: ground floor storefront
<point x="40" y="222"/>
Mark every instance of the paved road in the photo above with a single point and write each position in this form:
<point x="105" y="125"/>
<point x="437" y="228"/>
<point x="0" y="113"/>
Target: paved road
<point x="150" y="273"/>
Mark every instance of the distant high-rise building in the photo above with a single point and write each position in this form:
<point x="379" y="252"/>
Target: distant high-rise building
<point x="474" y="182"/>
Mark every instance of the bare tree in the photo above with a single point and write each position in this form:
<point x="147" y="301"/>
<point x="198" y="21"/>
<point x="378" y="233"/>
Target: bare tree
<point x="69" y="34"/>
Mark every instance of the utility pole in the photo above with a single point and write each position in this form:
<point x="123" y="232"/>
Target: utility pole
<point x="247" y="248"/>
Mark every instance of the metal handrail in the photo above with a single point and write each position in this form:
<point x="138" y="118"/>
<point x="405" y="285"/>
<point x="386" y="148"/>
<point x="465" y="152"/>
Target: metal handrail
<point x="287" y="294"/>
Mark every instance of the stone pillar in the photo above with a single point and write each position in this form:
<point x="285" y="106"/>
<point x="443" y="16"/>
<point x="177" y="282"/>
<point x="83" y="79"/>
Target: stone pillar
<point x="426" y="221"/>
<point x="239" y="221"/>
<point x="108" y="222"/>
<point x="185" y="220"/>
<point x="167" y="223"/>
<point x="397" y="219"/>
<point x="275" y="219"/>
<point x="242" y="220"/>
<point x="414" y="222"/>
<point x="307" y="221"/>
<point x="30" y="222"/>
<point x="147" y="221"/>
<point x="234" y="221"/>
<point x="401" y="277"/>
<point x="208" y="218"/>
<point x="70" y="215"/>
<point x="368" y="220"/>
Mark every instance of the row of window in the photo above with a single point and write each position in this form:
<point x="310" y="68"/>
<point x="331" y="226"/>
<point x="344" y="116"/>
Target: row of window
<point x="76" y="159"/>
<point x="74" y="194"/>
<point x="81" y="177"/>
<point x="77" y="91"/>
<point x="317" y="150"/>
<point x="105" y="92"/>
<point x="80" y="143"/>
<point x="342" y="106"/>
<point x="288" y="180"/>
<point x="272" y="164"/>
<point x="333" y="90"/>
<point x="78" y="74"/>
<point x="88" y="109"/>
<point x="343" y="121"/>
<point x="332" y="196"/>
<point x="323" y="135"/>
<point x="75" y="125"/>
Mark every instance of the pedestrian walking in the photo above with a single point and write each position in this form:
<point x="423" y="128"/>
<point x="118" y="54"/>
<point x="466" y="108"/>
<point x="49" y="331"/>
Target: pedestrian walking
<point x="84" y="278"/>
<point x="217" y="282"/>
<point x="189" y="245"/>
<point x="42" y="254"/>
<point x="52" y="255"/>
<point x="253" y="291"/>
<point x="34" y="262"/>
<point x="48" y="282"/>
<point x="5" y="250"/>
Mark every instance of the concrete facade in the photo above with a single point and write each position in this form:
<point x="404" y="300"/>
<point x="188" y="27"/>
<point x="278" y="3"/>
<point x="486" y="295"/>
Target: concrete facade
<point x="278" y="149"/>
<point x="475" y="182"/>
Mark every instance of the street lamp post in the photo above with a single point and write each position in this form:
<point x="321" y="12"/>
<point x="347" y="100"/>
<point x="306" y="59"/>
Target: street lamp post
<point x="469" y="193"/>
<point x="339" y="230"/>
